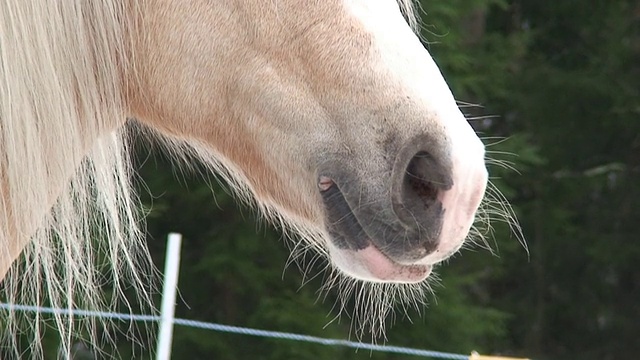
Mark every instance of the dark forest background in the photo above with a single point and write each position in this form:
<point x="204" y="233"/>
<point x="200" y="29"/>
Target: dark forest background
<point x="558" y="84"/>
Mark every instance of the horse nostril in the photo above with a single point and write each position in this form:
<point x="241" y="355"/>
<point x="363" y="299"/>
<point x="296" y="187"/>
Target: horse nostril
<point x="425" y="178"/>
<point x="419" y="178"/>
<point x="418" y="181"/>
<point x="417" y="187"/>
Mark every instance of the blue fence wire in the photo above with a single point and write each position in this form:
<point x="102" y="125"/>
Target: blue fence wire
<point x="239" y="330"/>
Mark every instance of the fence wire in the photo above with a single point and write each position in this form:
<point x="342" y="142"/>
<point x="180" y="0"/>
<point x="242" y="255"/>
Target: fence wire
<point x="239" y="330"/>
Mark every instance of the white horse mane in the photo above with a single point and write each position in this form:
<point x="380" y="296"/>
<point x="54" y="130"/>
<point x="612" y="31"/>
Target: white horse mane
<point x="60" y="62"/>
<point x="60" y="66"/>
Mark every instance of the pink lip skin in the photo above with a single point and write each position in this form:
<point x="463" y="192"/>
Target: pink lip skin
<point x="370" y="264"/>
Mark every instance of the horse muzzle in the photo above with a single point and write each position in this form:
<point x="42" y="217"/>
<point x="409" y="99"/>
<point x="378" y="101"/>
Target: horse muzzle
<point x="394" y="226"/>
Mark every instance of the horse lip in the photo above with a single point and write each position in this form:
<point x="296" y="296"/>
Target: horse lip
<point x="371" y="264"/>
<point x="383" y="268"/>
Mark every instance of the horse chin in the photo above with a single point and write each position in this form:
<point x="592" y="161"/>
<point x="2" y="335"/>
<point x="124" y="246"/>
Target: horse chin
<point x="370" y="264"/>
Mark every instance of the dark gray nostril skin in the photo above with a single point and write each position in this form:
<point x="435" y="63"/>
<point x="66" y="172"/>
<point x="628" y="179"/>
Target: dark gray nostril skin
<point x="417" y="183"/>
<point x="425" y="178"/>
<point x="420" y="178"/>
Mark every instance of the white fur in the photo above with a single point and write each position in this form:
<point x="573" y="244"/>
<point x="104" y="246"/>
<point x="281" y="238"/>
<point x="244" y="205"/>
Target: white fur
<point x="66" y="203"/>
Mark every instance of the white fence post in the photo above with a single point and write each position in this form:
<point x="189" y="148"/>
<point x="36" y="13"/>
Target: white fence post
<point x="171" y="269"/>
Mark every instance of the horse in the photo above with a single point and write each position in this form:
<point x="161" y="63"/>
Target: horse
<point x="329" y="116"/>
